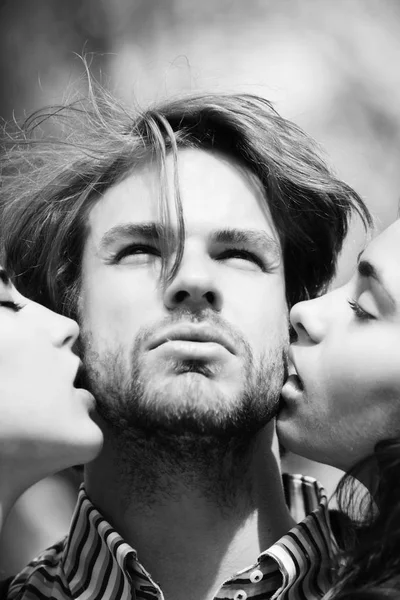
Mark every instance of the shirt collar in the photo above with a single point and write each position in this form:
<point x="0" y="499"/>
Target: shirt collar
<point x="306" y="552"/>
<point x="96" y="560"/>
<point x="95" y="557"/>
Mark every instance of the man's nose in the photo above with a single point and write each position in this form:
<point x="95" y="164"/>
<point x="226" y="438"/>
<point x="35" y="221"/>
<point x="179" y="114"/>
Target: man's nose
<point x="195" y="285"/>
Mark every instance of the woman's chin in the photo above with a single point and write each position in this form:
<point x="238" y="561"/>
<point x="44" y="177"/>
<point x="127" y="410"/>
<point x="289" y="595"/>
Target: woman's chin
<point x="49" y="454"/>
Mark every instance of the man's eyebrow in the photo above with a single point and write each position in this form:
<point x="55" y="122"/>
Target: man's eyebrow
<point x="256" y="237"/>
<point x="4" y="277"/>
<point x="148" y="231"/>
<point x="155" y="232"/>
<point x="367" y="269"/>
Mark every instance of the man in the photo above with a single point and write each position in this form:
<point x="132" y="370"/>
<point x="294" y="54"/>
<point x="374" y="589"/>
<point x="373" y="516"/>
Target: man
<point x="178" y="238"/>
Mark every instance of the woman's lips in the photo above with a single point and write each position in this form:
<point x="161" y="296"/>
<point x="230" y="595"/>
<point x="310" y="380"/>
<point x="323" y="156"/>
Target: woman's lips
<point x="294" y="381"/>
<point x="293" y="387"/>
<point x="86" y="397"/>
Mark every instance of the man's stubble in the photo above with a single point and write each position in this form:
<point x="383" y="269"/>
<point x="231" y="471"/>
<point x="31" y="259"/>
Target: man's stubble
<point x="200" y="439"/>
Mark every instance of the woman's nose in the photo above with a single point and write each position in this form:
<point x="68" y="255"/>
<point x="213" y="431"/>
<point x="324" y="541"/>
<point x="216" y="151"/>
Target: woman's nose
<point x="307" y="320"/>
<point x="64" y="331"/>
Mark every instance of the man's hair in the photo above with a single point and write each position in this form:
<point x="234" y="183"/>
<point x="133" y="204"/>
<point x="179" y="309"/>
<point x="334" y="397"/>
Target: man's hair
<point x="57" y="165"/>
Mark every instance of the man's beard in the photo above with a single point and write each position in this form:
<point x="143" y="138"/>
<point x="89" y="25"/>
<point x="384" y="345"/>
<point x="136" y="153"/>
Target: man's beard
<point x="196" y="436"/>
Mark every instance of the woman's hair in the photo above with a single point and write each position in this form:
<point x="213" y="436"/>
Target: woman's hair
<point x="371" y="553"/>
<point x="58" y="164"/>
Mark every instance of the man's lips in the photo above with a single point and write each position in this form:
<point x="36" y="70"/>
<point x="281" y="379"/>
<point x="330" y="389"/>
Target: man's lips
<point x="189" y="332"/>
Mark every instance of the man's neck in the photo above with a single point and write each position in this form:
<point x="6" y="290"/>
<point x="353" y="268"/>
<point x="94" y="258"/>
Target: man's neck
<point x="189" y="541"/>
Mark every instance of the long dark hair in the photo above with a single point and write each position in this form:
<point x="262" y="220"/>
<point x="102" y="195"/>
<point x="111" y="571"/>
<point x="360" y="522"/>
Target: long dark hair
<point x="371" y="554"/>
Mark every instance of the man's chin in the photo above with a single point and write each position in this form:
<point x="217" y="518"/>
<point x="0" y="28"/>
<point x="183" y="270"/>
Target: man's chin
<point x="195" y="368"/>
<point x="195" y="388"/>
<point x="221" y="399"/>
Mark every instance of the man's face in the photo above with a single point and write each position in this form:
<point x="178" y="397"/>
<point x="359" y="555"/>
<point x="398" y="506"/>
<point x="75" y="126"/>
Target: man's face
<point x="205" y="351"/>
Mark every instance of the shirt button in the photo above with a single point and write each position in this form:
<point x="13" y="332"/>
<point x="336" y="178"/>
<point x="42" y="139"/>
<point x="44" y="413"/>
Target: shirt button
<point x="240" y="595"/>
<point x="256" y="576"/>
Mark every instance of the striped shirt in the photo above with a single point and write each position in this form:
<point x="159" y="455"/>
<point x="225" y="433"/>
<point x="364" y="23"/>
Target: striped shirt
<point x="93" y="562"/>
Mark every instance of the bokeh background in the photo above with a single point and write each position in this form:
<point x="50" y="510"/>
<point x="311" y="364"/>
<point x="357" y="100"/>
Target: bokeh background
<point x="332" y="66"/>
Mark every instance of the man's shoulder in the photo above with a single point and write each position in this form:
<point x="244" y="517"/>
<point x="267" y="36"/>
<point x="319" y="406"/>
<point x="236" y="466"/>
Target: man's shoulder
<point x="39" y="578"/>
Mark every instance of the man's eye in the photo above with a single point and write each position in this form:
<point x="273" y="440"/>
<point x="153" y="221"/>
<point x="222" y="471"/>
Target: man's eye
<point x="136" y="250"/>
<point x="235" y="253"/>
<point x="14" y="306"/>
<point x="361" y="314"/>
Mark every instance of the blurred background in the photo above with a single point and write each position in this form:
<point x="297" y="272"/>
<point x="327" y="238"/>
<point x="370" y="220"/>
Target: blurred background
<point x="329" y="65"/>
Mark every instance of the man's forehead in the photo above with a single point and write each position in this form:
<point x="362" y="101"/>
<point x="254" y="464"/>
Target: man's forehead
<point x="212" y="194"/>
